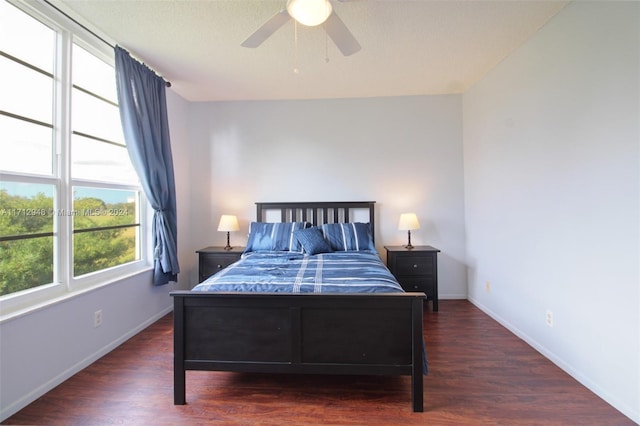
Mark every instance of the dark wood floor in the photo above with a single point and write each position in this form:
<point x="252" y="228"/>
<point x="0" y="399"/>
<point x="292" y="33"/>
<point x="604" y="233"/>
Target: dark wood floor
<point x="479" y="374"/>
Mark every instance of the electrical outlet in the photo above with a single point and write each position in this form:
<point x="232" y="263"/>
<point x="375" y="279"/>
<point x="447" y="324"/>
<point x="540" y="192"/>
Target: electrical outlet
<point x="487" y="287"/>
<point x="97" y="318"/>
<point x="549" y="318"/>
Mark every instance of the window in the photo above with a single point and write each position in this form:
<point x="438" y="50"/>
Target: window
<point x="71" y="206"/>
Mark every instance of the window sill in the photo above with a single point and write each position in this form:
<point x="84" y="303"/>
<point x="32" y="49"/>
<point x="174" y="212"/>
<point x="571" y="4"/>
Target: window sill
<point x="12" y="314"/>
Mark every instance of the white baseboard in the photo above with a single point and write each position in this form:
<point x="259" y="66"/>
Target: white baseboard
<point x="452" y="296"/>
<point x="18" y="405"/>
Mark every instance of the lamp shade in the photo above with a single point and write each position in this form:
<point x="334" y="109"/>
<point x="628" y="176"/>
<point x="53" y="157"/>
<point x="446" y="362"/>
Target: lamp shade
<point x="228" y="223"/>
<point x="309" y="12"/>
<point x="408" y="222"/>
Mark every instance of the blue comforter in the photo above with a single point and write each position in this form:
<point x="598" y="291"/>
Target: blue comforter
<point x="287" y="272"/>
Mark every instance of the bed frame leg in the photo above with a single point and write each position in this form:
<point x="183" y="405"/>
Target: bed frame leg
<point x="179" y="392"/>
<point x="416" y="392"/>
<point x="418" y="358"/>
<point x="179" y="379"/>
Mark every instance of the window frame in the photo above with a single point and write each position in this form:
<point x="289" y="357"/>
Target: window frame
<point x="64" y="283"/>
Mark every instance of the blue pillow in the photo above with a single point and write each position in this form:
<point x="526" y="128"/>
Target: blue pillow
<point x="267" y="236"/>
<point x="349" y="236"/>
<point x="312" y="241"/>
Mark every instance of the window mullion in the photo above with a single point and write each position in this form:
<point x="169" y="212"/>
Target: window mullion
<point x="64" y="198"/>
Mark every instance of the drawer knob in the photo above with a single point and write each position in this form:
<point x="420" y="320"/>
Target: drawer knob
<point x="415" y="266"/>
<point x="219" y="266"/>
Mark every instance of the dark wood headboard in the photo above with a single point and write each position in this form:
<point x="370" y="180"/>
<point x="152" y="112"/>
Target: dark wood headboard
<point x="317" y="213"/>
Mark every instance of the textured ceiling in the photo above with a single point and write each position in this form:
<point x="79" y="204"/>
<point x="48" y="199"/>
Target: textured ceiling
<point x="408" y="47"/>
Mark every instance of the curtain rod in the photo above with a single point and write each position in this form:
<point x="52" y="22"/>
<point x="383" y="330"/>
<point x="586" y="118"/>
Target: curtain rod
<point x="167" y="83"/>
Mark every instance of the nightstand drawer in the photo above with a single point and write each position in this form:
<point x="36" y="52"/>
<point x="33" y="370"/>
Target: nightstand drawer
<point x="414" y="265"/>
<point x="425" y="285"/>
<point x="215" y="259"/>
<point x="212" y="263"/>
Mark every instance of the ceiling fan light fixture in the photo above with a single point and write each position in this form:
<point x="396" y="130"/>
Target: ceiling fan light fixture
<point x="309" y="12"/>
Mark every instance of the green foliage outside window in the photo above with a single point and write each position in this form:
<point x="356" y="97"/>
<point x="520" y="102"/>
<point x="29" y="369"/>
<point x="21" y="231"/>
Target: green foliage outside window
<point x="100" y="249"/>
<point x="25" y="264"/>
<point x="28" y="262"/>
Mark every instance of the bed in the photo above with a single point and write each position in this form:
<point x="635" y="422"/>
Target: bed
<point x="310" y="319"/>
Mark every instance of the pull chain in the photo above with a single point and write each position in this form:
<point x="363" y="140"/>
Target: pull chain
<point x="326" y="43"/>
<point x="295" y="47"/>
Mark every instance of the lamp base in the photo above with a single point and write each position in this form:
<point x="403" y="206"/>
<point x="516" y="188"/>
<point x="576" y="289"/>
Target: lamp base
<point x="408" y="246"/>
<point x="228" y="247"/>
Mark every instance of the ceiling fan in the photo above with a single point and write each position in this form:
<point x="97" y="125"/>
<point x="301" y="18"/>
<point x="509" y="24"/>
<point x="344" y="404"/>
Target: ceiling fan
<point x="309" y="13"/>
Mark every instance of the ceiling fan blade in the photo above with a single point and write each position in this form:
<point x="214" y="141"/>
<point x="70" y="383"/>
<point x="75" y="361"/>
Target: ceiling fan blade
<point x="268" y="28"/>
<point x="341" y="35"/>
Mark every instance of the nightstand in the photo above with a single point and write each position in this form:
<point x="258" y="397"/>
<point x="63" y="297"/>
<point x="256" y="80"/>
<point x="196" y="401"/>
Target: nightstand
<point x="214" y="259"/>
<point x="415" y="269"/>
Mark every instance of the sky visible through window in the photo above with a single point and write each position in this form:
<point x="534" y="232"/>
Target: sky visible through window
<point x="29" y="148"/>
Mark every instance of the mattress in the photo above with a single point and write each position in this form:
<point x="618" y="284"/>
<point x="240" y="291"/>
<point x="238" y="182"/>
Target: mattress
<point x="289" y="272"/>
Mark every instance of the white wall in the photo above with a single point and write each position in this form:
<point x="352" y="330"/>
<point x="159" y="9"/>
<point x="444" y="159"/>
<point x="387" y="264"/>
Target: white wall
<point x="41" y="349"/>
<point x="405" y="153"/>
<point x="551" y="164"/>
<point x="178" y="110"/>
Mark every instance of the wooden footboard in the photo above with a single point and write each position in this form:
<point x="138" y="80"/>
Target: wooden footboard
<point x="299" y="333"/>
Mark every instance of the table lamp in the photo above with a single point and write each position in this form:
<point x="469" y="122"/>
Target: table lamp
<point x="408" y="222"/>
<point x="227" y="224"/>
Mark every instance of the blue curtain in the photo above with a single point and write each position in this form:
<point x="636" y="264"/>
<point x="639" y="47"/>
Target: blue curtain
<point x="143" y="112"/>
